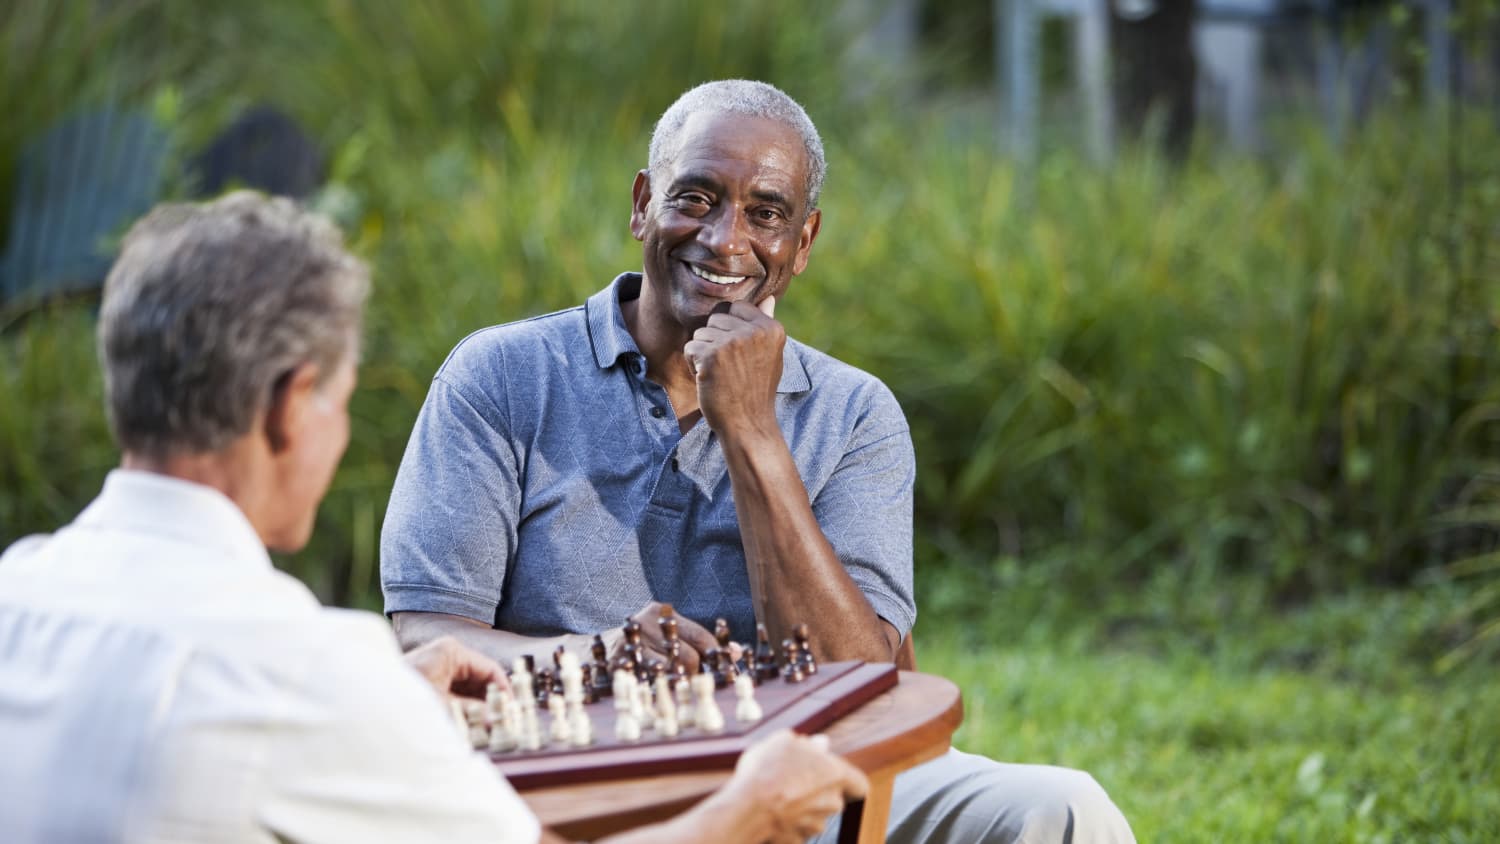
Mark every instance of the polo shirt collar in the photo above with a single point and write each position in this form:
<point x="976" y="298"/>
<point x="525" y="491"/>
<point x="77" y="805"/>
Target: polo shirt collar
<point x="611" y="339"/>
<point x="172" y="508"/>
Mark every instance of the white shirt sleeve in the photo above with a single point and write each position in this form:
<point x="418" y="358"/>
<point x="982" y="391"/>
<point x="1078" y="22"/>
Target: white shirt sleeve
<point x="376" y="757"/>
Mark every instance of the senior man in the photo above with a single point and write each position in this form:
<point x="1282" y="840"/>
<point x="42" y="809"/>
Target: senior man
<point x="160" y="681"/>
<point x="666" y="442"/>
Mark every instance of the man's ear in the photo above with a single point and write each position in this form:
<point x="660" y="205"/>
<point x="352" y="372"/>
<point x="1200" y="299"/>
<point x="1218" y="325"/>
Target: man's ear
<point x="810" y="228"/>
<point x="290" y="397"/>
<point x="640" y="200"/>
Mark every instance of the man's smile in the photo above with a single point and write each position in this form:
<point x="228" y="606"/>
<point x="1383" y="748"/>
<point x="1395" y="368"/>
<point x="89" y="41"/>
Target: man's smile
<point x="724" y="280"/>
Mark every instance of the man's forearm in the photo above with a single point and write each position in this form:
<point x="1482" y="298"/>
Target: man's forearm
<point x="418" y="628"/>
<point x="795" y="575"/>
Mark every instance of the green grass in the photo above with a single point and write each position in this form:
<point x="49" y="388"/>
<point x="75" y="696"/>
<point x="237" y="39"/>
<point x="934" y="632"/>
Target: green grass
<point x="1326" y="723"/>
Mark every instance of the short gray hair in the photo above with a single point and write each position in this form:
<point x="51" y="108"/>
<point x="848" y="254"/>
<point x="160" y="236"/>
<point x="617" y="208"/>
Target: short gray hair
<point x="739" y="96"/>
<point x="208" y="306"/>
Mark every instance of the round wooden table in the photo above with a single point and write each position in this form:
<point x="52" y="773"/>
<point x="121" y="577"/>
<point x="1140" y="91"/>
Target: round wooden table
<point x="899" y="729"/>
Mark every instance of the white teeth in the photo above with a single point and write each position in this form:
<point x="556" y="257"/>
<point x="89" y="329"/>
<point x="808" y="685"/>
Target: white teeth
<point x="715" y="277"/>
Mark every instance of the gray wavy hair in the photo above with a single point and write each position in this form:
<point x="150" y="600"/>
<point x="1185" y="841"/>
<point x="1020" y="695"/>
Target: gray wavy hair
<point x="739" y="96"/>
<point x="208" y="306"/>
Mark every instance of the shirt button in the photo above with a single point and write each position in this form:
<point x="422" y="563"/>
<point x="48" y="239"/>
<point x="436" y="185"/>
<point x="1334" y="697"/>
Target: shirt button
<point x="658" y="412"/>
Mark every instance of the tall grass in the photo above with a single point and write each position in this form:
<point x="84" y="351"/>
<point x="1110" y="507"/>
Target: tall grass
<point x="1283" y="367"/>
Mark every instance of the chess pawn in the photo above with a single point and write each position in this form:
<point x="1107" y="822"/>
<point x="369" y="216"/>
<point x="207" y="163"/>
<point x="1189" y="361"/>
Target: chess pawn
<point x="502" y="733"/>
<point x="601" y="678"/>
<point x="804" y="650"/>
<point x="666" y="708"/>
<point x="765" y="656"/>
<point x="643" y="710"/>
<point x="531" y="729"/>
<point x="479" y="734"/>
<point x="561" y="732"/>
<point x="512" y="723"/>
<point x="746" y="708"/>
<point x="682" y="689"/>
<point x="792" y="668"/>
<point x="721" y="633"/>
<point x="708" y="717"/>
<point x="580" y="727"/>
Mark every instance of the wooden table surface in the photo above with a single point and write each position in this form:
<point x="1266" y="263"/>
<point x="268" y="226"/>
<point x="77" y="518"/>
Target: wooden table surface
<point x="901" y="728"/>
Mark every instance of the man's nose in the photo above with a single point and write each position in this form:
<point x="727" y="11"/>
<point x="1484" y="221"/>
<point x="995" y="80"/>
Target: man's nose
<point x="725" y="233"/>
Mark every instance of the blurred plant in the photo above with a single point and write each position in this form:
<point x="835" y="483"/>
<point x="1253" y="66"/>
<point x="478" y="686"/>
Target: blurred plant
<point x="1276" y="369"/>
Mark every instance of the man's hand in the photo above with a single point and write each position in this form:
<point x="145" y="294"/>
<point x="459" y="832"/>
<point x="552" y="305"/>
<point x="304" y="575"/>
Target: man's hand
<point x="695" y="640"/>
<point x="736" y="358"/>
<point x="455" y="669"/>
<point x="798" y="780"/>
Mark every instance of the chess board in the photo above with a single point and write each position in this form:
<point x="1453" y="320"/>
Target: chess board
<point x="806" y="707"/>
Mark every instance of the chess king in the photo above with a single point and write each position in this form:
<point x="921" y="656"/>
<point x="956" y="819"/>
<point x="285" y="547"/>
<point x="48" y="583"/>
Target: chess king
<point x="161" y="681"/>
<point x="667" y="442"/>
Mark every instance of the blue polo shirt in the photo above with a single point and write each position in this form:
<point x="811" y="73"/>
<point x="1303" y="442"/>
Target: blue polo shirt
<point x="546" y="488"/>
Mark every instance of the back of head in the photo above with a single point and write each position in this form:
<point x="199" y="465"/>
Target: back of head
<point x="208" y="306"/>
<point x="745" y="97"/>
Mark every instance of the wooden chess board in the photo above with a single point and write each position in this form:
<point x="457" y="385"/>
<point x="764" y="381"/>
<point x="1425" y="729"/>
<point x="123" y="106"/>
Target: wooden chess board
<point x="806" y="707"/>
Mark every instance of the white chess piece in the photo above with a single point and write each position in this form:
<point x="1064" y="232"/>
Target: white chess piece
<point x="643" y="710"/>
<point x="708" y="717"/>
<point x="746" y="709"/>
<point x="666" y="709"/>
<point x="580" y="728"/>
<point x="479" y="733"/>
<point x="531" y="728"/>
<point x="561" y="729"/>
<point x="684" y="702"/>
<point x="627" y="725"/>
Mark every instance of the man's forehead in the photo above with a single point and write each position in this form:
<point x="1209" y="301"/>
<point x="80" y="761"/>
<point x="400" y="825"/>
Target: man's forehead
<point x="768" y="148"/>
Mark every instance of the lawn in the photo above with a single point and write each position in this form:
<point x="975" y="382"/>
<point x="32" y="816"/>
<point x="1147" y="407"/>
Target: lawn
<point x="1323" y="723"/>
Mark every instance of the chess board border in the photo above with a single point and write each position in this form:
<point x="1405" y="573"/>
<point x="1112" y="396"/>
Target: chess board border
<point x="808" y="713"/>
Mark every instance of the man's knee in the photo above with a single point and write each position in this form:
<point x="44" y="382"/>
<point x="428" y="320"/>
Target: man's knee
<point x="970" y="798"/>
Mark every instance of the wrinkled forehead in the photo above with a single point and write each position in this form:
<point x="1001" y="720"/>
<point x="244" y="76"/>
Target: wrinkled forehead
<point x="755" y="147"/>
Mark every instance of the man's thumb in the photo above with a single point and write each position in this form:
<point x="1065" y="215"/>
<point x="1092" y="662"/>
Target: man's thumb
<point x="768" y="306"/>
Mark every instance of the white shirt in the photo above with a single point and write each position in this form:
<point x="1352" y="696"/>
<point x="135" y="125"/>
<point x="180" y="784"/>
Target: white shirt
<point x="161" y="681"/>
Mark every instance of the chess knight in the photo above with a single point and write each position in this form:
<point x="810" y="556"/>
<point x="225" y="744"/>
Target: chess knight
<point x="667" y="442"/>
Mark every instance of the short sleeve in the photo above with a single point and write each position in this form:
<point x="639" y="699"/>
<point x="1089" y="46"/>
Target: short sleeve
<point x="370" y="754"/>
<point x="865" y="511"/>
<point x="450" y="527"/>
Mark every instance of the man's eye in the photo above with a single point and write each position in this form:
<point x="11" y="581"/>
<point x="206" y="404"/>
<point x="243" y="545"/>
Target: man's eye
<point x="768" y="215"/>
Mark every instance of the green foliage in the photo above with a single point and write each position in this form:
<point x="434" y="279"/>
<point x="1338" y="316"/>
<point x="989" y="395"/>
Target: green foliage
<point x="1324" y="724"/>
<point x="1277" y="368"/>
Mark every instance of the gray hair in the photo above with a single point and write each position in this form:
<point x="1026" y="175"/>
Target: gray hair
<point x="208" y="306"/>
<point x="739" y="96"/>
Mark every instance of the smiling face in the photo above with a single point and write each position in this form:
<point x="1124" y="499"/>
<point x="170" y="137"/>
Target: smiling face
<point x="728" y="221"/>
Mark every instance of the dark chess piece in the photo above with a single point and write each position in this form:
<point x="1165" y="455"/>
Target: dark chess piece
<point x="792" y="668"/>
<point x="721" y="633"/>
<point x="602" y="683"/>
<point x="544" y="687"/>
<point x="765" y="657"/>
<point x="530" y="664"/>
<point x="711" y="660"/>
<point x="669" y="634"/>
<point x="752" y="666"/>
<point x="589" y="695"/>
<point x="804" y="649"/>
<point x="726" y="668"/>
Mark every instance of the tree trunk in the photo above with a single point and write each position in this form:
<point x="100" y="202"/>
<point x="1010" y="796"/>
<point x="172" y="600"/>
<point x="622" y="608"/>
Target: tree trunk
<point x="1155" y="70"/>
